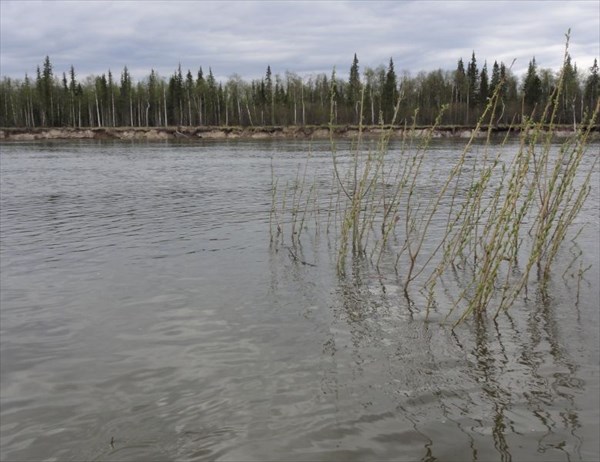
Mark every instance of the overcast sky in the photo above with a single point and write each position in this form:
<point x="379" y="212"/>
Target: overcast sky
<point x="302" y="37"/>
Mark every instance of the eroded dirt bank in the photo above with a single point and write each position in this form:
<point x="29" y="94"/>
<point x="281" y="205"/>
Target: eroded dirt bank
<point x="293" y="132"/>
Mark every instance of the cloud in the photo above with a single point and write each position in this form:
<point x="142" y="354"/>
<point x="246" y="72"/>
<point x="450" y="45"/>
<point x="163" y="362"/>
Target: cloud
<point x="302" y="37"/>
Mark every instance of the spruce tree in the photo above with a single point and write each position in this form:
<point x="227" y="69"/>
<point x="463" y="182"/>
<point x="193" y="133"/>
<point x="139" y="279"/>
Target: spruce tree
<point x="592" y="87"/>
<point x="175" y="101"/>
<point x="189" y="93"/>
<point x="495" y="78"/>
<point x="111" y="89"/>
<point x="389" y="93"/>
<point x="125" y="110"/>
<point x="532" y="86"/>
<point x="201" y="96"/>
<point x="354" y="89"/>
<point x="44" y="84"/>
<point x="483" y="86"/>
<point x="460" y="90"/>
<point x="460" y="81"/>
<point x="473" y="81"/>
<point x="212" y="99"/>
<point x="269" y="96"/>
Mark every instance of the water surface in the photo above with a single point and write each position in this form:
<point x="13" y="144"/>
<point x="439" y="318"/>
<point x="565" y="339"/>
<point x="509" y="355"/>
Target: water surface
<point x="144" y="316"/>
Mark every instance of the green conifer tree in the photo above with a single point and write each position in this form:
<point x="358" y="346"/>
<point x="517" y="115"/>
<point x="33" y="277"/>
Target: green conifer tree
<point x="495" y="81"/>
<point x="483" y="85"/>
<point x="354" y="89"/>
<point x="592" y="87"/>
<point x="126" y="99"/>
<point x="269" y="100"/>
<point x="389" y="93"/>
<point x="473" y="81"/>
<point x="532" y="86"/>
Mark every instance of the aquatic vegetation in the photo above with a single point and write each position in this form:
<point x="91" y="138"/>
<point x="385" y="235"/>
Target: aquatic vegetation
<point x="499" y="211"/>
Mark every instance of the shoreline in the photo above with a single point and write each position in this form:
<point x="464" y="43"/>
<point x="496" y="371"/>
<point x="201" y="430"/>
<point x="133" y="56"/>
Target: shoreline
<point x="249" y="133"/>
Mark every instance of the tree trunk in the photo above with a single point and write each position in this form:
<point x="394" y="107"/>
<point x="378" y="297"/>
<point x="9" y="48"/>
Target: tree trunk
<point x="249" y="114"/>
<point x="189" y="101"/>
<point x="97" y="108"/>
<point x="112" y="97"/>
<point x="165" y="103"/>
<point x="130" y="111"/>
<point x="303" y="107"/>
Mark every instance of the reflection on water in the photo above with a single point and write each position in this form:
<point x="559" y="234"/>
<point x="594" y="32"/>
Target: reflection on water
<point x="144" y="316"/>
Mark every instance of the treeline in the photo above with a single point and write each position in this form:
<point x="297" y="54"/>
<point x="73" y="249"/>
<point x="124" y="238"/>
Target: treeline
<point x="185" y="99"/>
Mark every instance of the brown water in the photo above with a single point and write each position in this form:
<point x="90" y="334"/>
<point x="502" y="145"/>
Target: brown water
<point x="144" y="316"/>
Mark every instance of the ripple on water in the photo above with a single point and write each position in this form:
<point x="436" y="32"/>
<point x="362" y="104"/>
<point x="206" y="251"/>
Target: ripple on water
<point x="144" y="316"/>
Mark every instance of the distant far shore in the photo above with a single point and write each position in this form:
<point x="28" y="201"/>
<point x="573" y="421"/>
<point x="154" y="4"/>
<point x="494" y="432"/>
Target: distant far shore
<point x="263" y="132"/>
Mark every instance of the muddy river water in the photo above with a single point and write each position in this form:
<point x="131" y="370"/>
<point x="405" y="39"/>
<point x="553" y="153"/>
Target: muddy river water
<point x="145" y="316"/>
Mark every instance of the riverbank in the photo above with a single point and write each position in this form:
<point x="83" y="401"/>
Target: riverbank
<point x="273" y="132"/>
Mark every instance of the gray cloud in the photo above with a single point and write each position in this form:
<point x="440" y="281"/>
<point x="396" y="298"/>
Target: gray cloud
<point x="302" y="37"/>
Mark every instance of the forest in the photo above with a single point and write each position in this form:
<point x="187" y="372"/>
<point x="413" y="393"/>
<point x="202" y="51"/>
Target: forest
<point x="52" y="99"/>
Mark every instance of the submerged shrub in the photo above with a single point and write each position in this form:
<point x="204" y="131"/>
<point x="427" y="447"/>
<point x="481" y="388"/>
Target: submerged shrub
<point x="502" y="209"/>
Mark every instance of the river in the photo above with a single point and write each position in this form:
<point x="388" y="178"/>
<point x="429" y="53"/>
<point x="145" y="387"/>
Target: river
<point x="145" y="316"/>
